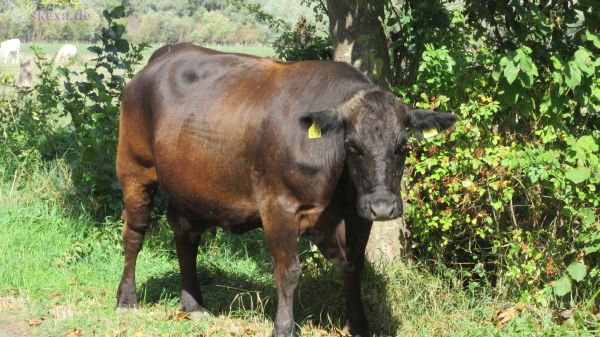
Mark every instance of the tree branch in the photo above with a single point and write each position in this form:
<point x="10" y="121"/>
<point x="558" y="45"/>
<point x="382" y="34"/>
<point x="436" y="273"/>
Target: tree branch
<point x="324" y="7"/>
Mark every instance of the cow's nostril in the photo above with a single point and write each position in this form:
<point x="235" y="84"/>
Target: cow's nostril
<point x="382" y="209"/>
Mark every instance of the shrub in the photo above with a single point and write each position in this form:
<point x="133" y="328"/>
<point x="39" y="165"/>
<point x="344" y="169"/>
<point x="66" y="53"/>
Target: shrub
<point x="302" y="43"/>
<point x="28" y="114"/>
<point x="93" y="107"/>
<point x="74" y="114"/>
<point x="510" y="196"/>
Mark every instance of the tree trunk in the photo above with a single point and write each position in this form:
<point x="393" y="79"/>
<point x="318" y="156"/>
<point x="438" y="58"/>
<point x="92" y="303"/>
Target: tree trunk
<point x="358" y="36"/>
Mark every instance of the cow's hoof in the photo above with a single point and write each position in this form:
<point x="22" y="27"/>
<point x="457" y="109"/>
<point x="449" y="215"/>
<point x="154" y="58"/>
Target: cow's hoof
<point x="124" y="305"/>
<point x="200" y="315"/>
<point x="291" y="333"/>
<point x="127" y="300"/>
<point x="192" y="306"/>
<point x="356" y="331"/>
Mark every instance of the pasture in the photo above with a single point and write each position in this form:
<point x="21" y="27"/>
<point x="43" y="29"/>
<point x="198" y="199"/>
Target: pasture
<point x="84" y="55"/>
<point x="59" y="271"/>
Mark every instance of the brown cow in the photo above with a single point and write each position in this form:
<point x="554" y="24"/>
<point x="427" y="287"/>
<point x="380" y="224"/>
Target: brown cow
<point x="240" y="142"/>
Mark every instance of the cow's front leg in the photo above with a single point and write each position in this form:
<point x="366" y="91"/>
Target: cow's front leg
<point x="357" y="236"/>
<point x="282" y="240"/>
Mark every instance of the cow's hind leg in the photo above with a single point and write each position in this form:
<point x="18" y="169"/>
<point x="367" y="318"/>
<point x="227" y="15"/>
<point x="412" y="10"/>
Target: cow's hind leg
<point x="186" y="244"/>
<point x="138" y="189"/>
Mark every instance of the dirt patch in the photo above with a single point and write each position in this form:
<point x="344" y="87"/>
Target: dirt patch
<point x="13" y="318"/>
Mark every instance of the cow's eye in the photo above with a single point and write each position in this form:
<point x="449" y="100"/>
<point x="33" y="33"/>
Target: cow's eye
<point x="353" y="147"/>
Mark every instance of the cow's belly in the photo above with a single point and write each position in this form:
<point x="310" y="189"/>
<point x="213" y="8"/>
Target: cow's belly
<point x="209" y="180"/>
<point x="210" y="203"/>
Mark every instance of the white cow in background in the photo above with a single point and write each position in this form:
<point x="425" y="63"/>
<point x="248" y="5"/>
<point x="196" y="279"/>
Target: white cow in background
<point x="66" y="52"/>
<point x="8" y="47"/>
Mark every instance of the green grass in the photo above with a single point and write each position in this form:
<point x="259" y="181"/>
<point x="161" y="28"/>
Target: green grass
<point x="83" y="55"/>
<point x="59" y="265"/>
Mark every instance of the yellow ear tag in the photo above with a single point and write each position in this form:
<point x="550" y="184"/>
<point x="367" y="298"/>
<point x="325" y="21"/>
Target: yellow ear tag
<point x="314" y="131"/>
<point x="430" y="133"/>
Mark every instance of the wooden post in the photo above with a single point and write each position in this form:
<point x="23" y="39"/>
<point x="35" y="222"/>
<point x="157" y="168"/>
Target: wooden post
<point x="25" y="73"/>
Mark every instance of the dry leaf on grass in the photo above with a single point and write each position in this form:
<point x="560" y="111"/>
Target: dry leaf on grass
<point x="12" y="304"/>
<point x="35" y="321"/>
<point x="563" y="315"/>
<point x="61" y="312"/>
<point x="120" y="332"/>
<point x="179" y="316"/>
<point x="139" y="333"/>
<point x="74" y="333"/>
<point x="505" y="316"/>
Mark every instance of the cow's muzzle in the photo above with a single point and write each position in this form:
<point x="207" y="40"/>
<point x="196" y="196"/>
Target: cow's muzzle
<point x="379" y="206"/>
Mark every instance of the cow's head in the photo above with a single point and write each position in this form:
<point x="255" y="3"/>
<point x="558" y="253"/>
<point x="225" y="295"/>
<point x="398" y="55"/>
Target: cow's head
<point x="376" y="128"/>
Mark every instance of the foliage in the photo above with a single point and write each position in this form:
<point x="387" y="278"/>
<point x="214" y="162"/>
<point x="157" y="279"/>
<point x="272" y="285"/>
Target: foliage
<point x="511" y="194"/>
<point x="92" y="103"/>
<point x="302" y="43"/>
<point x="260" y="14"/>
<point x="26" y="116"/>
<point x="74" y="114"/>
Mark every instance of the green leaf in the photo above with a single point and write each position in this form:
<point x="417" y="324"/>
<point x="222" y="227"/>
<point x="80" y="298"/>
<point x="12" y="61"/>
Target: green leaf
<point x="572" y="76"/>
<point x="511" y="72"/>
<point x="558" y="63"/>
<point x="562" y="286"/>
<point x="95" y="49"/>
<point x="527" y="105"/>
<point x="63" y="71"/>
<point x="584" y="61"/>
<point x="588" y="143"/>
<point x="526" y="65"/>
<point x="587" y="216"/>
<point x="122" y="45"/>
<point x="593" y="38"/>
<point x="511" y="95"/>
<point x="578" y="174"/>
<point x="577" y="271"/>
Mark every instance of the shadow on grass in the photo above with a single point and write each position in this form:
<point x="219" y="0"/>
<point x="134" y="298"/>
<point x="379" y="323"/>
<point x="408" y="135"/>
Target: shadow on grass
<point x="318" y="301"/>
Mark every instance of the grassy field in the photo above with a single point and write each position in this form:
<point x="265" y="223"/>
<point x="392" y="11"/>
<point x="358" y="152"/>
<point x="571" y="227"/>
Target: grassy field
<point x="83" y="55"/>
<point x="59" y="271"/>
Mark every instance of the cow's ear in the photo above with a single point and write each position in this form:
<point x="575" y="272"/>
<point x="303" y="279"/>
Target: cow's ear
<point x="322" y="121"/>
<point x="427" y="123"/>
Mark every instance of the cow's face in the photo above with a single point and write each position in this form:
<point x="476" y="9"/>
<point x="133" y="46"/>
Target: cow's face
<point x="376" y="130"/>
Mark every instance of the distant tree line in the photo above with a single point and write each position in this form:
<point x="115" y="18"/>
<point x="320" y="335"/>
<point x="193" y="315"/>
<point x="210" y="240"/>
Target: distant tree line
<point x="152" y="21"/>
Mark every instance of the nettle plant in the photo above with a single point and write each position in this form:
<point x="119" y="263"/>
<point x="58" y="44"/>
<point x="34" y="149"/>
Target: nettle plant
<point x="92" y="100"/>
<point x="29" y="114"/>
<point x="510" y="196"/>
